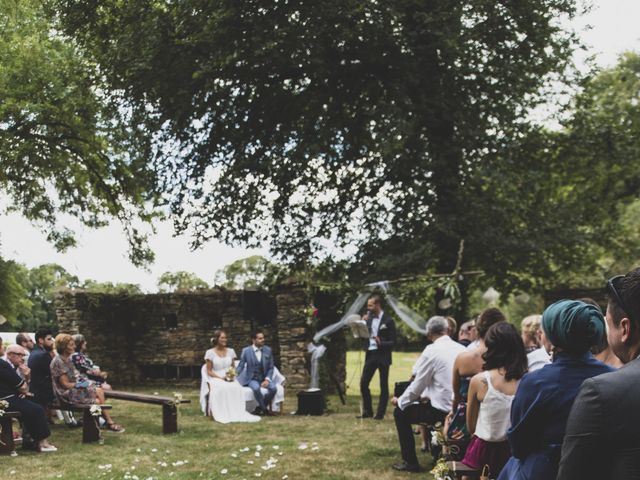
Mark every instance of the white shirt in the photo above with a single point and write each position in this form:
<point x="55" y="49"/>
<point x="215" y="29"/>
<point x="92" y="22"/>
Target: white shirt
<point x="434" y="375"/>
<point x="473" y="345"/>
<point x="258" y="352"/>
<point x="375" y="325"/>
<point x="538" y="359"/>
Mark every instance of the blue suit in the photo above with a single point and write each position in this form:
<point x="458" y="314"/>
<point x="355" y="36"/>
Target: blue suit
<point x="252" y="373"/>
<point x="539" y="415"/>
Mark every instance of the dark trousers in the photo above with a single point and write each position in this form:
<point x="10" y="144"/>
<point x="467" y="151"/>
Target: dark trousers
<point x="33" y="417"/>
<point x="412" y="414"/>
<point x="371" y="364"/>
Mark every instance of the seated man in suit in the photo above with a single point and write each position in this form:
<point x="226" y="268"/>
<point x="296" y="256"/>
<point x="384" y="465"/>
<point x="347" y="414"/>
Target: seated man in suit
<point x="14" y="390"/>
<point x="602" y="439"/>
<point x="255" y="370"/>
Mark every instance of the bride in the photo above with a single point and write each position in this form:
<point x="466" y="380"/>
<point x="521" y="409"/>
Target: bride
<point x="226" y="395"/>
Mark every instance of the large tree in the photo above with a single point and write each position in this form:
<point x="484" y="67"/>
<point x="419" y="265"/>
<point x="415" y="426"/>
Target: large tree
<point x="68" y="144"/>
<point x="338" y="122"/>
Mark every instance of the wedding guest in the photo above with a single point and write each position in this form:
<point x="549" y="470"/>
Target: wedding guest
<point x="26" y="342"/>
<point x="602" y="351"/>
<point x="541" y="356"/>
<point x="467" y="364"/>
<point x="39" y="362"/>
<point x="85" y="365"/>
<point x="467" y="333"/>
<point x="226" y="399"/>
<point x="601" y="438"/>
<point x="490" y="395"/>
<point x="453" y="328"/>
<point x="255" y="370"/>
<point x="529" y="327"/>
<point x="13" y="390"/>
<point x="15" y="357"/>
<point x="544" y="398"/>
<point x="70" y="387"/>
<point x="428" y="398"/>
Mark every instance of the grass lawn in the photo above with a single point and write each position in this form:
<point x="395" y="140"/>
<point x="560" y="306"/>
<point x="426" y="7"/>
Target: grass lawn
<point x="337" y="445"/>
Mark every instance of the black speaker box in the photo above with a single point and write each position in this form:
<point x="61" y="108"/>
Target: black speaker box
<point x="310" y="402"/>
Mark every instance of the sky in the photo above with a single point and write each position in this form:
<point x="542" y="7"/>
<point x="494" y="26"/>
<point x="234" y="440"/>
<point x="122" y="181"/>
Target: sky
<point x="102" y="254"/>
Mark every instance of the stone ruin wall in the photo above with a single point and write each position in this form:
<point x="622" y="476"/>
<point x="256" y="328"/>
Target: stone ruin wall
<point x="164" y="336"/>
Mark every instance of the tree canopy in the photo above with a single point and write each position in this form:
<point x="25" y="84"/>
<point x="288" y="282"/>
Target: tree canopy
<point x="250" y="272"/>
<point x="68" y="144"/>
<point x="346" y="123"/>
<point x="180" y="282"/>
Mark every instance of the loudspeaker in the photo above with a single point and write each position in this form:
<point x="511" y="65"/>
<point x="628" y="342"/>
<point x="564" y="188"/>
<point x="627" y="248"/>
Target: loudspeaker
<point x="310" y="402"/>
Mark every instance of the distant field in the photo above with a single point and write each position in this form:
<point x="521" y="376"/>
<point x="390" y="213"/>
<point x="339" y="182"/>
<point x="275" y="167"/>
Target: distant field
<point x="400" y="371"/>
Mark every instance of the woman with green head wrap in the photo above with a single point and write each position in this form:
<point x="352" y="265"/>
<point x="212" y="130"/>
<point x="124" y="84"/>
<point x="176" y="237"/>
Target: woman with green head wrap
<point x="573" y="326"/>
<point x="544" y="398"/>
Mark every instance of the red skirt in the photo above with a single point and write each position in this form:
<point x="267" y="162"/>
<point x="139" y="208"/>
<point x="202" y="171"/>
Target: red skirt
<point x="481" y="453"/>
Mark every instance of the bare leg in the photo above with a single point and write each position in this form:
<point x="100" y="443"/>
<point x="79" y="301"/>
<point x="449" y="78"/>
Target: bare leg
<point x="101" y="400"/>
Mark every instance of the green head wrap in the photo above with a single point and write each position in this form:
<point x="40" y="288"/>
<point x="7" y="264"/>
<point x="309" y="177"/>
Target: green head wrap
<point x="573" y="326"/>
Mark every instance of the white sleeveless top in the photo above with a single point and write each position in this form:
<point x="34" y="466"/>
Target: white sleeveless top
<point x="494" y="417"/>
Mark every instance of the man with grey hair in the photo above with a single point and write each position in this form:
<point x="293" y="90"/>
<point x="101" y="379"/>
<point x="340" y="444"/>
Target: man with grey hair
<point x="428" y="397"/>
<point x="15" y="358"/>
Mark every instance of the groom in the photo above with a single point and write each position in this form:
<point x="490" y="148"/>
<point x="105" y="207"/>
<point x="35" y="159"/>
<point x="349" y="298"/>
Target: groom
<point x="255" y="370"/>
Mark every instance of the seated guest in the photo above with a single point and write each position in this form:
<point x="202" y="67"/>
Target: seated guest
<point x="428" y="398"/>
<point x="14" y="390"/>
<point x="529" y="328"/>
<point x="601" y="438"/>
<point x="542" y="356"/>
<point x="602" y="351"/>
<point x="255" y="370"/>
<point x="25" y="341"/>
<point x="544" y="398"/>
<point x="39" y="362"/>
<point x="453" y="328"/>
<point x="15" y="357"/>
<point x="490" y="395"/>
<point x="69" y="386"/>
<point x="85" y="365"/>
<point x="467" y="333"/>
<point x="226" y="398"/>
<point x="468" y="364"/>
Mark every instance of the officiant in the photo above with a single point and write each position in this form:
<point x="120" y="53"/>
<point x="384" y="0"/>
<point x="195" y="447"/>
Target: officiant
<point x="382" y="337"/>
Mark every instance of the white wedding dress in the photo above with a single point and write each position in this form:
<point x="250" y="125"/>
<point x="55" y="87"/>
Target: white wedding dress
<point x="226" y="399"/>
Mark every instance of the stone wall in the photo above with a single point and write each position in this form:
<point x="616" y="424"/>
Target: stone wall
<point x="164" y="336"/>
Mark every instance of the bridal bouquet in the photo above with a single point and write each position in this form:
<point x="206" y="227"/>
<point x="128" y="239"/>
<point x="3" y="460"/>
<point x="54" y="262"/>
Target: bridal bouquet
<point x="231" y="374"/>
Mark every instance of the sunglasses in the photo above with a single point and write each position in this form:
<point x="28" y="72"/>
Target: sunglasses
<point x="613" y="292"/>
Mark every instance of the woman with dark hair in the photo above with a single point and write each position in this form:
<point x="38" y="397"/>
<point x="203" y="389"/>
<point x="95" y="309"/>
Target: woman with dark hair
<point x="224" y="397"/>
<point x="490" y="395"/>
<point x="541" y="406"/>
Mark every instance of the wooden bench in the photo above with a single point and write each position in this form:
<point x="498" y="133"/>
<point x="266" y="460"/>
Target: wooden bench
<point x="7" y="444"/>
<point x="90" y="425"/>
<point x="169" y="406"/>
<point x="459" y="469"/>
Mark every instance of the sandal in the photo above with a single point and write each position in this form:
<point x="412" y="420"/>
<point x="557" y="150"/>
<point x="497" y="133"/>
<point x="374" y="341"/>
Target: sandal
<point x="115" y="428"/>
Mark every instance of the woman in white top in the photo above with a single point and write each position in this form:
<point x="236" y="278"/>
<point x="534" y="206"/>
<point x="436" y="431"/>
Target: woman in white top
<point x="490" y="395"/>
<point x="226" y="395"/>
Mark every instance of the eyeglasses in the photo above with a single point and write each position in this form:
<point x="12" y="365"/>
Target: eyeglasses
<point x="611" y="288"/>
<point x="16" y="353"/>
